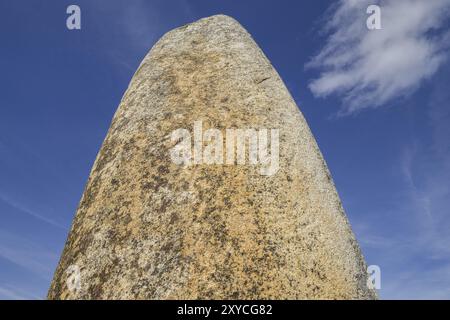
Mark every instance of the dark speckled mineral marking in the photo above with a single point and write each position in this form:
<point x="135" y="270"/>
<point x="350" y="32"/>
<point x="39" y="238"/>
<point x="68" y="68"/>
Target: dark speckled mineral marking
<point x="147" y="228"/>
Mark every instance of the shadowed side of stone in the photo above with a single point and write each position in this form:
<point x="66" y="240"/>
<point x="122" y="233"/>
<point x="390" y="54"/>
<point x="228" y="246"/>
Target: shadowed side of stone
<point x="148" y="228"/>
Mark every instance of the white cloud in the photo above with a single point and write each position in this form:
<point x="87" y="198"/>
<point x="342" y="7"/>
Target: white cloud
<point x="368" y="68"/>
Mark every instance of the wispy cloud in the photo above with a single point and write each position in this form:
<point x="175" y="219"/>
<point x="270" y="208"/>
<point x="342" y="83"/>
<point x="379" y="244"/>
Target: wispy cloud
<point x="13" y="293"/>
<point x="137" y="23"/>
<point x="409" y="239"/>
<point x="22" y="208"/>
<point x="26" y="254"/>
<point x="369" y="68"/>
<point x="419" y="199"/>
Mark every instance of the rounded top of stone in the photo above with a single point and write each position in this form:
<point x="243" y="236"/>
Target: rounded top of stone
<point x="218" y="19"/>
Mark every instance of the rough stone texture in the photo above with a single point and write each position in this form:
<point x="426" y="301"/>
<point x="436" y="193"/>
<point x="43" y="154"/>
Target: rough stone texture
<point x="147" y="228"/>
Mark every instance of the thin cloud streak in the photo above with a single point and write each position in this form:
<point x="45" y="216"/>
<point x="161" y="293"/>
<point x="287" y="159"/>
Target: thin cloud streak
<point x="27" y="255"/>
<point x="10" y="202"/>
<point x="10" y="293"/>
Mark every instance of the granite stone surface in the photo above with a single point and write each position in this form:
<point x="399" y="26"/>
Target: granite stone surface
<point x="148" y="228"/>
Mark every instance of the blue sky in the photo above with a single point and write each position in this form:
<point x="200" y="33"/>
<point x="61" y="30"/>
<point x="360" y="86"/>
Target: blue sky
<point x="377" y="101"/>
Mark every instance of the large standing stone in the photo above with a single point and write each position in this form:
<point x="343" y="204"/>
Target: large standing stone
<point x="148" y="228"/>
